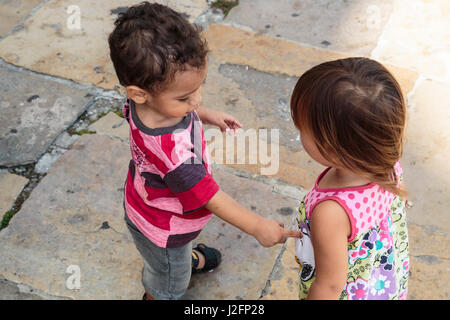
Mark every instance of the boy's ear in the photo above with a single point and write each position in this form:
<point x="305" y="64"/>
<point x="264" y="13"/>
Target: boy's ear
<point x="137" y="94"/>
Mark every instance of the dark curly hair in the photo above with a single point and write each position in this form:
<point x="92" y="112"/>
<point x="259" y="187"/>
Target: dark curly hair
<point x="151" y="43"/>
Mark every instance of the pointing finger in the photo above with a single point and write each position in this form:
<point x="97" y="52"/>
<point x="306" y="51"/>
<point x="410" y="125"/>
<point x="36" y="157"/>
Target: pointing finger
<point x="293" y="234"/>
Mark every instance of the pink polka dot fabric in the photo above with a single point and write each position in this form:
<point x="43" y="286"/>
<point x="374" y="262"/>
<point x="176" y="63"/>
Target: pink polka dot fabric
<point x="366" y="206"/>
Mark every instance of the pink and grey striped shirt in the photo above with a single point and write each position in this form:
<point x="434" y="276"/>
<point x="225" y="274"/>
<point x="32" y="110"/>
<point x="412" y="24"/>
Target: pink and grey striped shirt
<point x="169" y="179"/>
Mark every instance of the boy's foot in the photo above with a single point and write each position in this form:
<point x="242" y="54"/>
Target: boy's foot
<point x="205" y="258"/>
<point x="198" y="259"/>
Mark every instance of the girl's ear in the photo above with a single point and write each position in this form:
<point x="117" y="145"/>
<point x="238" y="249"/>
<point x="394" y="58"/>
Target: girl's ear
<point x="138" y="95"/>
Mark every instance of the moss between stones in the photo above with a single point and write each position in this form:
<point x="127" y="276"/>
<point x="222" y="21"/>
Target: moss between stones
<point x="225" y="5"/>
<point x="5" y="221"/>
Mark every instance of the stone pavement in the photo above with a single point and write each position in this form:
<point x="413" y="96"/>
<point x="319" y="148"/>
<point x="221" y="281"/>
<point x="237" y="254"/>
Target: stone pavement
<point x="64" y="150"/>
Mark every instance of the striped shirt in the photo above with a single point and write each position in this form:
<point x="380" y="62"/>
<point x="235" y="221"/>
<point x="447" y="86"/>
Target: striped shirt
<point x="169" y="179"/>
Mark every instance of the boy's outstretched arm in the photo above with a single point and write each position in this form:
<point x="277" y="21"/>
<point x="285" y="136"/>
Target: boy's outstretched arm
<point x="268" y="232"/>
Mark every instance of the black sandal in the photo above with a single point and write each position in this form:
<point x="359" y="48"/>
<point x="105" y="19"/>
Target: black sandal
<point x="212" y="258"/>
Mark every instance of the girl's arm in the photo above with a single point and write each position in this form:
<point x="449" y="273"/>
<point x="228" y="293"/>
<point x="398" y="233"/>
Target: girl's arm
<point x="218" y="118"/>
<point x="330" y="229"/>
<point x="268" y="232"/>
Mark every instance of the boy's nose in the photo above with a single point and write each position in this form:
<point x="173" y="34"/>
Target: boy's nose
<point x="196" y="99"/>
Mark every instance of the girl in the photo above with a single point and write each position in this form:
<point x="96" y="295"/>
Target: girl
<point x="351" y="115"/>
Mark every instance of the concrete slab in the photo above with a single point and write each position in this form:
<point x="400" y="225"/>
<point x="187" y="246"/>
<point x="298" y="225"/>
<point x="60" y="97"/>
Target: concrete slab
<point x="352" y="27"/>
<point x="69" y="38"/>
<point x="10" y="187"/>
<point x="426" y="152"/>
<point x="284" y="279"/>
<point x="426" y="170"/>
<point x="10" y="291"/>
<point x="12" y="12"/>
<point x="111" y="125"/>
<point x="271" y="95"/>
<point x="260" y="101"/>
<point x="74" y="219"/>
<point x="429" y="263"/>
<point x="417" y="37"/>
<point x="34" y="111"/>
<point x="274" y="55"/>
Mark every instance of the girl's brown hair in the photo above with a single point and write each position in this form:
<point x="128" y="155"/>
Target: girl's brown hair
<point x="355" y="110"/>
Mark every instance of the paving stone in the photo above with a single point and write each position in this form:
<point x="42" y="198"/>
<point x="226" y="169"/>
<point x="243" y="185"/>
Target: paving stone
<point x="34" y="111"/>
<point x="429" y="263"/>
<point x="82" y="54"/>
<point x="12" y="12"/>
<point x="10" y="291"/>
<point x="425" y="159"/>
<point x="74" y="217"/>
<point x="235" y="90"/>
<point x="417" y="37"/>
<point x="10" y="187"/>
<point x="111" y="125"/>
<point x="426" y="170"/>
<point x="284" y="280"/>
<point x="66" y="140"/>
<point x="264" y="53"/>
<point x="45" y="162"/>
<point x="271" y="95"/>
<point x="351" y="26"/>
<point x="274" y="55"/>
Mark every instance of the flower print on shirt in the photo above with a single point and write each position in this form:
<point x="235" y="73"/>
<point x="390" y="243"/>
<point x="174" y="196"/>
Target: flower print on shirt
<point x="387" y="260"/>
<point x="358" y="289"/>
<point x="382" y="284"/>
<point x="363" y="251"/>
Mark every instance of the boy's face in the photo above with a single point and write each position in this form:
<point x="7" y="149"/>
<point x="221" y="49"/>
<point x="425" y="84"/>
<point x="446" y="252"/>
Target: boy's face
<point x="182" y="96"/>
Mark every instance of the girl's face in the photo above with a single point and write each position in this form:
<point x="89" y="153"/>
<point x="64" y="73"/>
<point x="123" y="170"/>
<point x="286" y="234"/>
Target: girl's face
<point x="310" y="147"/>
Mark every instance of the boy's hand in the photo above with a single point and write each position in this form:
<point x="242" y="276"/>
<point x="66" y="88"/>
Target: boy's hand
<point x="225" y="121"/>
<point x="270" y="232"/>
<point x="218" y="118"/>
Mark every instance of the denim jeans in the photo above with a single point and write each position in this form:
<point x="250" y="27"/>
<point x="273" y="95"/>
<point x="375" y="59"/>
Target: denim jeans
<point x="167" y="271"/>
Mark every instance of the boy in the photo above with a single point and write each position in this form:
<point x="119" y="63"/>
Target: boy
<point x="170" y="195"/>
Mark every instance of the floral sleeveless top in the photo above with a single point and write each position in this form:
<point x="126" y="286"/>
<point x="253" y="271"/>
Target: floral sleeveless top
<point x="378" y="259"/>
